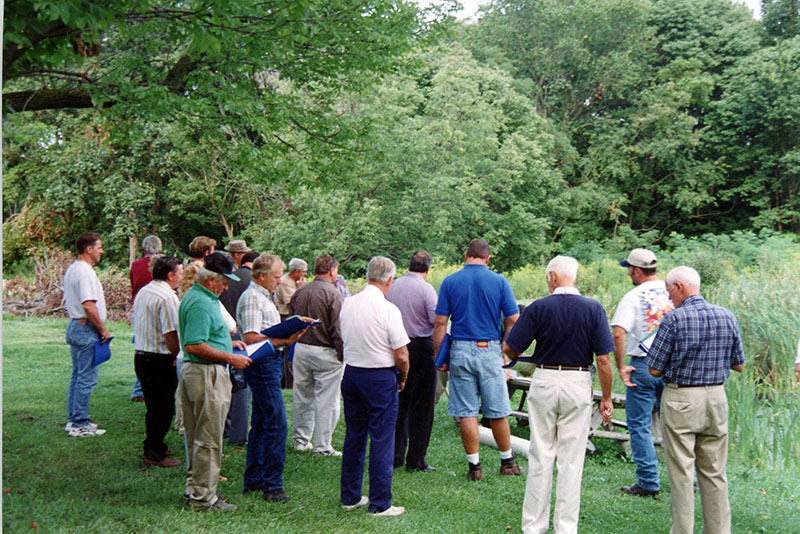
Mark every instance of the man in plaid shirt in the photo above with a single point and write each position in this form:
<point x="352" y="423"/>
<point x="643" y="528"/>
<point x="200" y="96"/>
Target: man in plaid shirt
<point x="695" y="348"/>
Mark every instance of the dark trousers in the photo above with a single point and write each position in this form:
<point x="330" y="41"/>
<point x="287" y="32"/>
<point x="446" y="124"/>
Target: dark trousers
<point x="415" y="414"/>
<point x="156" y="373"/>
<point x="266" y="445"/>
<point x="370" y="409"/>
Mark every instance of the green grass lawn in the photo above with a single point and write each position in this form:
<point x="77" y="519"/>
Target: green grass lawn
<point x="60" y="484"/>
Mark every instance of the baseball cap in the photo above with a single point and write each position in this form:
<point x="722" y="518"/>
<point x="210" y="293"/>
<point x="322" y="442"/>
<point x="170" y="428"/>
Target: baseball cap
<point x="222" y="264"/>
<point x="640" y="257"/>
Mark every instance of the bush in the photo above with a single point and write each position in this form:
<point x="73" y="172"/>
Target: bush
<point x="44" y="295"/>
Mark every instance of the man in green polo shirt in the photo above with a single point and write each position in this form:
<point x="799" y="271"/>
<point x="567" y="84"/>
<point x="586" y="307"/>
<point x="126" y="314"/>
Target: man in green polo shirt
<point x="205" y="386"/>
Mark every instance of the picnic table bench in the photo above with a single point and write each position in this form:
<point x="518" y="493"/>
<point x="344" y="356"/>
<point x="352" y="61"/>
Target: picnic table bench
<point x="616" y="430"/>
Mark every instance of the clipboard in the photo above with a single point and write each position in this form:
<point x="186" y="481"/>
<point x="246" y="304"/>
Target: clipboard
<point x="288" y="327"/>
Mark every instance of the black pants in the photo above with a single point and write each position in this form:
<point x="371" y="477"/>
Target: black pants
<point x="156" y="373"/>
<point x="415" y="413"/>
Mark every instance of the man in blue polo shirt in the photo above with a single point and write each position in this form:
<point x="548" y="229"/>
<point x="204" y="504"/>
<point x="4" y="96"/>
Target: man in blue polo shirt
<point x="473" y="298"/>
<point x="569" y="330"/>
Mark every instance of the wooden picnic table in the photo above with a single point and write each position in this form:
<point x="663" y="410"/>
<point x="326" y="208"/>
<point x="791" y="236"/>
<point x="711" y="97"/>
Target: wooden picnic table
<point x="616" y="430"/>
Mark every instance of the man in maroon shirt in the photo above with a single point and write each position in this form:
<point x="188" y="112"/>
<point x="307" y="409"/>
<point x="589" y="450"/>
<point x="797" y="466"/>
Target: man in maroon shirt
<point x="141" y="276"/>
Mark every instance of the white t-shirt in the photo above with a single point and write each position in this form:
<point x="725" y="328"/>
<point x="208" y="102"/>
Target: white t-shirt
<point x="81" y="284"/>
<point x="798" y="353"/>
<point x="372" y="329"/>
<point x="640" y="312"/>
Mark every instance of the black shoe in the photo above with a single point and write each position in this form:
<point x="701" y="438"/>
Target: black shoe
<point x="639" y="491"/>
<point x="277" y="495"/>
<point x="426" y="469"/>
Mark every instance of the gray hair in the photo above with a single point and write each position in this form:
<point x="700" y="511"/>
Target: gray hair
<point x="151" y="244"/>
<point x="566" y="266"/>
<point x="265" y="263"/>
<point x="685" y="275"/>
<point x="380" y="269"/>
<point x="204" y="274"/>
<point x="296" y="264"/>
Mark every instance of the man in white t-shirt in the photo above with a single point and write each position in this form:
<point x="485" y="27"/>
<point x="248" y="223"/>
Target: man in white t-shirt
<point x="634" y="325"/>
<point x="376" y="367"/>
<point x="86" y="306"/>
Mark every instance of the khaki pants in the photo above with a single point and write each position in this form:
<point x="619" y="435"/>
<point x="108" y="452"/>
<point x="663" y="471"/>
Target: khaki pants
<point x="696" y="439"/>
<point x="316" y="395"/>
<point x="559" y="411"/>
<point x="205" y="394"/>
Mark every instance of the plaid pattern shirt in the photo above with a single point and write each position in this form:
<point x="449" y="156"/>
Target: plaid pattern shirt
<point x="256" y="310"/>
<point x="697" y="344"/>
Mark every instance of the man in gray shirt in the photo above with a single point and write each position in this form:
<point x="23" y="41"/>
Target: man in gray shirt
<point x="416" y="299"/>
<point x="86" y="306"/>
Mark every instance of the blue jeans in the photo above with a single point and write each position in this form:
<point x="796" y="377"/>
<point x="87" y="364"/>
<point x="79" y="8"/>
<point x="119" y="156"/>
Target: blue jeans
<point x="639" y="404"/>
<point x="266" y="445"/>
<point x="81" y="339"/>
<point x="137" y="389"/>
<point x="370" y="409"/>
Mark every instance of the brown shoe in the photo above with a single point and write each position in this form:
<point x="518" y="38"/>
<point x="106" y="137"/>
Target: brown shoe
<point x="166" y="462"/>
<point x="474" y="474"/>
<point x="510" y="469"/>
<point x="639" y="491"/>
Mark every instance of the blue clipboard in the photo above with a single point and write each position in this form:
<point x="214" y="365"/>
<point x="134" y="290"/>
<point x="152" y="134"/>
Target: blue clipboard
<point x="443" y="356"/>
<point x="266" y="350"/>
<point x="102" y="352"/>
<point x="288" y="327"/>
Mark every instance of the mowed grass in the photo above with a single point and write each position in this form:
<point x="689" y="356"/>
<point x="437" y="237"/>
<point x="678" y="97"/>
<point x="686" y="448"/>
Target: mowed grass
<point x="54" y="483"/>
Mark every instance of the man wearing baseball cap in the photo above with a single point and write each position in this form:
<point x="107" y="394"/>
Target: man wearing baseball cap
<point x="205" y="387"/>
<point x="635" y="322"/>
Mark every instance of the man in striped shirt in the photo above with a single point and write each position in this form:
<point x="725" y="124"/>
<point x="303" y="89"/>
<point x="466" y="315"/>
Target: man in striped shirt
<point x="155" y="313"/>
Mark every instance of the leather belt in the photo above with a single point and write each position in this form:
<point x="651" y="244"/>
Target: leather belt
<point x="681" y="386"/>
<point x="82" y="321"/>
<point x="561" y="367"/>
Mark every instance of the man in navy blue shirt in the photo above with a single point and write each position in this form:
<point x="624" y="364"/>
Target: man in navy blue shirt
<point x="695" y="348"/>
<point x="473" y="298"/>
<point x="570" y="332"/>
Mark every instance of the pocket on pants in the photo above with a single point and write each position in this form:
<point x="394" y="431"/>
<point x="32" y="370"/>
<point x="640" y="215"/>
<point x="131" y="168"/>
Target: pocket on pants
<point x="678" y="406"/>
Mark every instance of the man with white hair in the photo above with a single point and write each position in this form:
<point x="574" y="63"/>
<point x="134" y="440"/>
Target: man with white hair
<point x="376" y="359"/>
<point x="140" y="276"/>
<point x="695" y="348"/>
<point x="635" y="322"/>
<point x="569" y="329"/>
<point x="205" y="386"/>
<point x="290" y="282"/>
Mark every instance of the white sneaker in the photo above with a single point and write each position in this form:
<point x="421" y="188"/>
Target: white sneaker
<point x="303" y="447"/>
<point x="332" y="452"/>
<point x="360" y="504"/>
<point x="85" y="431"/>
<point x="68" y="426"/>
<point x="391" y="511"/>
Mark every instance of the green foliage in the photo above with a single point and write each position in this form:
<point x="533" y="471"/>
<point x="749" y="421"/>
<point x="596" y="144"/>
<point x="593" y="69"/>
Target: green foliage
<point x="780" y="18"/>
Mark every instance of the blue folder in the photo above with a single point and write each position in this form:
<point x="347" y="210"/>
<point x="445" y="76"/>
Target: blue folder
<point x="288" y="327"/>
<point x="102" y="352"/>
<point x="264" y="351"/>
<point x="443" y="356"/>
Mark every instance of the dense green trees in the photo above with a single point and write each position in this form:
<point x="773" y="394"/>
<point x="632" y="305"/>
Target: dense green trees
<point x="364" y="127"/>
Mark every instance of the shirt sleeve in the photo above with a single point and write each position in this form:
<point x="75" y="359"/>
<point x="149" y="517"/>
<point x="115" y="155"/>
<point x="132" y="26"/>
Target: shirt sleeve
<point x="443" y="303"/>
<point x="602" y="343"/>
<point x="87" y="288"/>
<point x="198" y="326"/>
<point x="737" y="351"/>
<point x="661" y="350"/>
<point x="247" y="313"/>
<point x="430" y="304"/>
<point x="397" y="333"/>
<point x="510" y="306"/>
<point x="524" y="331"/>
<point x="625" y="314"/>
<point x="168" y="315"/>
<point x="335" y="328"/>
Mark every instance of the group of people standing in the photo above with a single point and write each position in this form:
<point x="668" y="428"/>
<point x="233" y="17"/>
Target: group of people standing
<point x="376" y="350"/>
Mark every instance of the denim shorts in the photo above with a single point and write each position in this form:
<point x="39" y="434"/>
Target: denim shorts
<point x="477" y="380"/>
